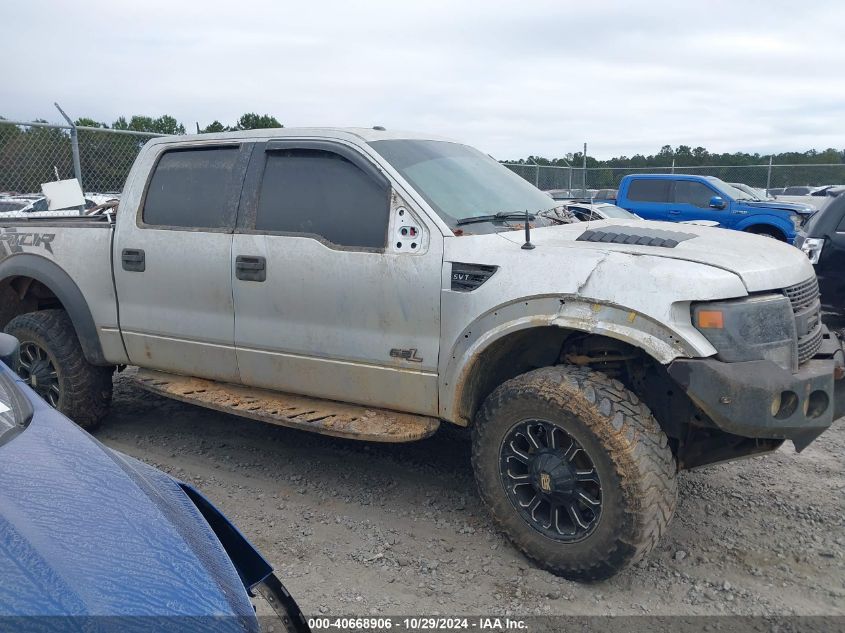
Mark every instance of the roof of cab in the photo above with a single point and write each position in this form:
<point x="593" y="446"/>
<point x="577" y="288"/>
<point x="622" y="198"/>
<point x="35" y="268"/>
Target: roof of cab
<point x="354" y="134"/>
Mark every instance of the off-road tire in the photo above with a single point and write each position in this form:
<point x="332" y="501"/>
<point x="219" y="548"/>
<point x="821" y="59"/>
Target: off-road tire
<point x="627" y="446"/>
<point x="85" y="390"/>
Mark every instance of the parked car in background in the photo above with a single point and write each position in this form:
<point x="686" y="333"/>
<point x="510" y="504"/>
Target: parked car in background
<point x="799" y="190"/>
<point x="88" y="531"/>
<point x="591" y="210"/>
<point x="586" y="210"/>
<point x="754" y="192"/>
<point x="812" y="196"/>
<point x="36" y="205"/>
<point x="824" y="244"/>
<point x="819" y="191"/>
<point x="675" y="197"/>
<point x="605" y="194"/>
<point x="571" y="194"/>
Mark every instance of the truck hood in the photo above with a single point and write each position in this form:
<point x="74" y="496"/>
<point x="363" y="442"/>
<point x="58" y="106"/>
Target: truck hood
<point x="86" y="531"/>
<point x="761" y="262"/>
<point x="777" y="205"/>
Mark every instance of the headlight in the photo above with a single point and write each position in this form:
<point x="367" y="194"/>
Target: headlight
<point x="812" y="248"/>
<point x="797" y="220"/>
<point x="756" y="328"/>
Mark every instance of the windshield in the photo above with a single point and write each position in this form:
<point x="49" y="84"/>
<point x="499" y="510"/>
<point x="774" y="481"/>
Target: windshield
<point x="459" y="182"/>
<point x="749" y="191"/>
<point x="733" y="192"/>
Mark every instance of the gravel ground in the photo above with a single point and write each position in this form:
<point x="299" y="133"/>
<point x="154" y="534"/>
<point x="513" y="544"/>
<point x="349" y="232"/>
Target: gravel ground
<point x="357" y="528"/>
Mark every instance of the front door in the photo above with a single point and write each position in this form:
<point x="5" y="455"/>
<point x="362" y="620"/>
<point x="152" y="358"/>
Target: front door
<point x="337" y="280"/>
<point x="172" y="264"/>
<point x="692" y="202"/>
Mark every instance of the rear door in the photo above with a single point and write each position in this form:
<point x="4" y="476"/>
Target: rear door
<point x="650" y="198"/>
<point x="173" y="261"/>
<point x="337" y="280"/>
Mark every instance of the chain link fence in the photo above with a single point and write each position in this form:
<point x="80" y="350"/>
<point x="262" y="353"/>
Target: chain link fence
<point x="35" y="152"/>
<point x="765" y="176"/>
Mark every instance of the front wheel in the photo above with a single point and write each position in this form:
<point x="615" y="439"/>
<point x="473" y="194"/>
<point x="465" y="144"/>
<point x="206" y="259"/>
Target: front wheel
<point x="575" y="470"/>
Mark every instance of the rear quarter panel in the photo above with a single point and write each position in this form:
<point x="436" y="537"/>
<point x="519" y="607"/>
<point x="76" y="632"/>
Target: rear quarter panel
<point x="83" y="251"/>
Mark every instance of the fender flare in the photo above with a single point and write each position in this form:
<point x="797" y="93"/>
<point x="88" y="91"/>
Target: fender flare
<point x="570" y="313"/>
<point x="68" y="293"/>
<point x="781" y="224"/>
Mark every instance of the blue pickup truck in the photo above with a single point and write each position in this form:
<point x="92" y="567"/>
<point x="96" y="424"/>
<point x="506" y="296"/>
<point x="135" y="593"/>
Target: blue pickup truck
<point x="677" y="198"/>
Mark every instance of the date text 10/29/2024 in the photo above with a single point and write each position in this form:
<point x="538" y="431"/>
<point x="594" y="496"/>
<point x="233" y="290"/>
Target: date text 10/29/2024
<point x="414" y="624"/>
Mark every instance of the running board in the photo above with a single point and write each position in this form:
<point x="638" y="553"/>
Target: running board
<point x="297" y="412"/>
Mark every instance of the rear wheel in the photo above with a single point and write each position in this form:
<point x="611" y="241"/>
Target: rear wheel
<point x="575" y="470"/>
<point x="53" y="364"/>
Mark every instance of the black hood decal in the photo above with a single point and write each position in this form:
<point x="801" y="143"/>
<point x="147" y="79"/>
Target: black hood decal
<point x="635" y="235"/>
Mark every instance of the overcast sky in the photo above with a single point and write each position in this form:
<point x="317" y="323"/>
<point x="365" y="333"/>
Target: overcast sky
<point x="513" y="78"/>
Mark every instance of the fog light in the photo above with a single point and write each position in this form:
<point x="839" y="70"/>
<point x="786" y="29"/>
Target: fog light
<point x="816" y="404"/>
<point x="784" y="404"/>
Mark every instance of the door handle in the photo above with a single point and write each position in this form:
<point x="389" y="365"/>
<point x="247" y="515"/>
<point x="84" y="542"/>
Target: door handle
<point x="674" y="212"/>
<point x="133" y="259"/>
<point x="250" y="268"/>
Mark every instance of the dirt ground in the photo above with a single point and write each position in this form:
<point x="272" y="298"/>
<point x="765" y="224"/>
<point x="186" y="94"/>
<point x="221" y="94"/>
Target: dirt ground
<point x="355" y="528"/>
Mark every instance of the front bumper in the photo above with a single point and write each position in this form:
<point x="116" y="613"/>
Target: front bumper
<point x="759" y="399"/>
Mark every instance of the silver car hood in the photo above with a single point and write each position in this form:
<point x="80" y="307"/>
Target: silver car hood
<point x="762" y="263"/>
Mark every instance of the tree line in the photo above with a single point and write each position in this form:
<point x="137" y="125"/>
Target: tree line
<point x="686" y="156"/>
<point x="607" y="173"/>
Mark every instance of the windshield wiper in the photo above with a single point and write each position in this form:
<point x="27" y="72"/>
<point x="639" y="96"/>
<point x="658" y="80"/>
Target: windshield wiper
<point x="502" y="215"/>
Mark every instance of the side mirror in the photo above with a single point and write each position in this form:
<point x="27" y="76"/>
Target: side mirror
<point x="717" y="202"/>
<point x="10" y="350"/>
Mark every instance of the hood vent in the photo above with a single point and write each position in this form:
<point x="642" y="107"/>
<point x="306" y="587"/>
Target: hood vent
<point x="636" y="236"/>
<point x="468" y="277"/>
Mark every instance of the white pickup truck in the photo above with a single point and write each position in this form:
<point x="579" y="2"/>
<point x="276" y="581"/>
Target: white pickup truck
<point x="370" y="284"/>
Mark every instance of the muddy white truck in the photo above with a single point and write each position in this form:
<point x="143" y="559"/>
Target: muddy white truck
<point x="372" y="285"/>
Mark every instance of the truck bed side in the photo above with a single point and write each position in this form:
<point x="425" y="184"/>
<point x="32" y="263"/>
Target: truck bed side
<point x="63" y="263"/>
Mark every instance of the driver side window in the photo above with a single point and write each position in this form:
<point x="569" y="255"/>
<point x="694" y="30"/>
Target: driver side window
<point x="320" y="194"/>
<point x="694" y="193"/>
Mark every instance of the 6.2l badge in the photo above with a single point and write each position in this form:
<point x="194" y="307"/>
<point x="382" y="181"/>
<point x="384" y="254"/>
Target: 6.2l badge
<point x="406" y="354"/>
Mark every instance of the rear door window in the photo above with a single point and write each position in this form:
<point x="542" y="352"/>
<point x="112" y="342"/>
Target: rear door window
<point x="649" y="190"/>
<point x="192" y="188"/>
<point x="321" y="194"/>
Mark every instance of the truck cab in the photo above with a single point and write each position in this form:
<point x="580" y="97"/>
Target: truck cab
<point x="677" y="198"/>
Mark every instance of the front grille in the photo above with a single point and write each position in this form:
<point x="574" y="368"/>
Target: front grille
<point x="803" y="295"/>
<point x="809" y="345"/>
<point x="806" y="307"/>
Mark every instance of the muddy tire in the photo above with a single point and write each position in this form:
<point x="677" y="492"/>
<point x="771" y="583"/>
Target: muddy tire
<point x="575" y="470"/>
<point x="53" y="364"/>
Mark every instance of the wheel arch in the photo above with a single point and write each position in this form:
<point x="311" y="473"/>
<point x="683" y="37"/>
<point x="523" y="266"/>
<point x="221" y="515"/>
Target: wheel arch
<point x="504" y="343"/>
<point x="25" y="278"/>
<point x="769" y="225"/>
